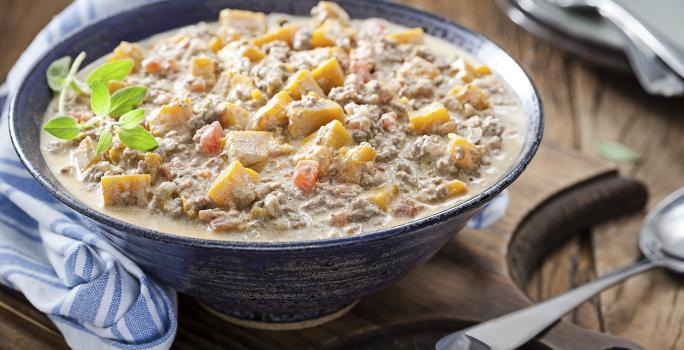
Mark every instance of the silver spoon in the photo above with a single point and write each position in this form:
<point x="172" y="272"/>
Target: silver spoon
<point x="661" y="241"/>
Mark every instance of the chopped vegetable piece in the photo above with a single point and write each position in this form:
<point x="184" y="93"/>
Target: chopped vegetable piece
<point x="456" y="188"/>
<point x="463" y="153"/>
<point x="234" y="117"/>
<point x="312" y="112"/>
<point x="410" y="36"/>
<point x="306" y="174"/>
<point x="433" y="118"/>
<point x="301" y="83"/>
<point x="251" y="148"/>
<point x="329" y="33"/>
<point x="125" y="189"/>
<point x="333" y="134"/>
<point x="329" y="74"/>
<point x="153" y="162"/>
<point x="170" y="116"/>
<point x="128" y="50"/>
<point x="285" y="33"/>
<point x="115" y="85"/>
<point x="216" y="44"/>
<point x="326" y="10"/>
<point x="203" y="67"/>
<point x="350" y="162"/>
<point x="85" y="155"/>
<point x="383" y="196"/>
<point x="472" y="95"/>
<point x="273" y="114"/>
<point x="252" y="53"/>
<point x="246" y="22"/>
<point x="235" y="186"/>
<point x="210" y="140"/>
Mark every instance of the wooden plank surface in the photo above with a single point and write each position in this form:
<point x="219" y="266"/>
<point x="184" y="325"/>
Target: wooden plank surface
<point x="583" y="104"/>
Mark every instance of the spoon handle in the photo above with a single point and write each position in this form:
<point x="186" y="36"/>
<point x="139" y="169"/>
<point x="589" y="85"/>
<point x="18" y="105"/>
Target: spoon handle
<point x="515" y="329"/>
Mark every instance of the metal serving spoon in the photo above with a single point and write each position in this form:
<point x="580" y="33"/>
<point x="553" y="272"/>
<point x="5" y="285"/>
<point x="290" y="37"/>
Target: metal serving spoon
<point x="661" y="241"/>
<point x="658" y="65"/>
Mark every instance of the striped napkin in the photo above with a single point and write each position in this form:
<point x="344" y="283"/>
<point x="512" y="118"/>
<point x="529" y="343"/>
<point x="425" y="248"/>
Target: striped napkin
<point x="95" y="295"/>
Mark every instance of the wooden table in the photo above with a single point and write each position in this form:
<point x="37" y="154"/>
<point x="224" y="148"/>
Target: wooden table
<point x="583" y="104"/>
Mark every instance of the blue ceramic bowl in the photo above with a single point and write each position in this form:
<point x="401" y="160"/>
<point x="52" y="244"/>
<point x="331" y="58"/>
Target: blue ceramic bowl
<point x="269" y="282"/>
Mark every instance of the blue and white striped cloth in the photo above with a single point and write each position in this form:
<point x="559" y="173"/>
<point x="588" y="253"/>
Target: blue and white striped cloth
<point x="95" y="295"/>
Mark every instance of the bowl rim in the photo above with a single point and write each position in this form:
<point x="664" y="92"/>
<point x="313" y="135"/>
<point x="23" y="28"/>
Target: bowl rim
<point x="535" y="132"/>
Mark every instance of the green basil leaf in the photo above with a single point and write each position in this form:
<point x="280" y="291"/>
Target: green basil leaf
<point x="64" y="128"/>
<point x="113" y="70"/>
<point x="57" y="73"/>
<point x="616" y="152"/>
<point x="132" y="119"/>
<point x="105" y="140"/>
<point x="126" y="99"/>
<point x="137" y="138"/>
<point x="100" y="100"/>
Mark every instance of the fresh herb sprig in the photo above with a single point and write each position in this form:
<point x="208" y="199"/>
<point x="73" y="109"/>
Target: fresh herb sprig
<point x="62" y="74"/>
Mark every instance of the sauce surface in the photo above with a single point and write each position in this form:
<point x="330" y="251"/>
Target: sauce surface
<point x="391" y="83"/>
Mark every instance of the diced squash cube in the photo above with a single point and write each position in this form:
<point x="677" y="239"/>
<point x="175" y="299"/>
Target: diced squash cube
<point x="329" y="32"/>
<point x="170" y="116"/>
<point x="329" y="74"/>
<point x="333" y="134"/>
<point x="433" y="118"/>
<point x="152" y="163"/>
<point x="456" y="188"/>
<point x="115" y="152"/>
<point x="472" y="95"/>
<point x="234" y="117"/>
<point x="125" y="189"/>
<point x="312" y="112"/>
<point x="235" y="186"/>
<point x="249" y="147"/>
<point x="203" y="67"/>
<point x="329" y="10"/>
<point x="319" y="153"/>
<point x="216" y="44"/>
<point x="128" y="50"/>
<point x="273" y="114"/>
<point x="409" y="36"/>
<point x="247" y="22"/>
<point x="115" y="85"/>
<point x="252" y="53"/>
<point x="463" y="153"/>
<point x="482" y="70"/>
<point x="258" y="96"/>
<point x="240" y="86"/>
<point x="85" y="155"/>
<point x="383" y="196"/>
<point x="350" y="162"/>
<point x="301" y="83"/>
<point x="285" y="33"/>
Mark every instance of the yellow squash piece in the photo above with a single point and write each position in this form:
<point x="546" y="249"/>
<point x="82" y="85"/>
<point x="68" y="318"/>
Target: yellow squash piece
<point x="203" y="67"/>
<point x="410" y="36"/>
<point x="128" y="50"/>
<point x="328" y="9"/>
<point x="273" y="114"/>
<point x="246" y="22"/>
<point x="383" y="196"/>
<point x="350" y="162"/>
<point x="152" y="163"/>
<point x="125" y="189"/>
<point x="216" y="44"/>
<point x="472" y="95"/>
<point x="301" y="83"/>
<point x="433" y="118"/>
<point x="463" y="153"/>
<point x="329" y="74"/>
<point x="311" y="113"/>
<point x="323" y="154"/>
<point x="231" y="185"/>
<point x="456" y="188"/>
<point x="333" y="134"/>
<point x="170" y="116"/>
<point x="115" y="85"/>
<point x="234" y="117"/>
<point x="252" y="53"/>
<point x="329" y="32"/>
<point x="249" y="147"/>
<point x="85" y="155"/>
<point x="285" y="33"/>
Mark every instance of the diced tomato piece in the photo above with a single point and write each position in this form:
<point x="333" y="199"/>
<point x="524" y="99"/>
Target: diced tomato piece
<point x="361" y="68"/>
<point x="210" y="141"/>
<point x="306" y="174"/>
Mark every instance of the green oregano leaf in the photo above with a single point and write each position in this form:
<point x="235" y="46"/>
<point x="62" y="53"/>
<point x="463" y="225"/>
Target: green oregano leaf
<point x="616" y="152"/>
<point x="126" y="99"/>
<point x="64" y="127"/>
<point x="137" y="138"/>
<point x="113" y="70"/>
<point x="105" y="140"/>
<point x="57" y="72"/>
<point x="100" y="101"/>
<point x="132" y="119"/>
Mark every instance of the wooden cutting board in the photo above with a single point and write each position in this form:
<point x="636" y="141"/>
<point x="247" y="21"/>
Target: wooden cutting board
<point x="479" y="275"/>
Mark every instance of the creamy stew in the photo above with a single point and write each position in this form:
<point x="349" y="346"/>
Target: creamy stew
<point x="281" y="128"/>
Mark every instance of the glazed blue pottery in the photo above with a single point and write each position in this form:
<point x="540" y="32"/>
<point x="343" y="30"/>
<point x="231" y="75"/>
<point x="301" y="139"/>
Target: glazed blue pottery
<point x="273" y="283"/>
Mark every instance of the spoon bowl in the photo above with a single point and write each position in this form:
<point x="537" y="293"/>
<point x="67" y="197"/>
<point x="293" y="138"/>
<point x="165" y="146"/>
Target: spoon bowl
<point x="662" y="234"/>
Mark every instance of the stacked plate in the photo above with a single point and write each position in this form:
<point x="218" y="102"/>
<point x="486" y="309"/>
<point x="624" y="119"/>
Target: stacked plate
<point x="583" y="31"/>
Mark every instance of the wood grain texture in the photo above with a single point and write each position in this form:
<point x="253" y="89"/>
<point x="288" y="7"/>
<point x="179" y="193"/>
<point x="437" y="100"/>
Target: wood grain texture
<point x="583" y="104"/>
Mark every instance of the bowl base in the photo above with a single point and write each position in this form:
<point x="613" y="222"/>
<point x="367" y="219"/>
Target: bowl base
<point x="281" y="322"/>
